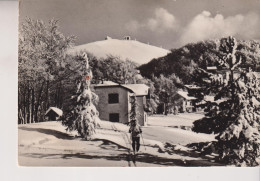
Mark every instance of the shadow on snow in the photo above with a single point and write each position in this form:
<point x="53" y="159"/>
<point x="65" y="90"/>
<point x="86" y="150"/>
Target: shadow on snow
<point x="57" y="134"/>
<point x="140" y="158"/>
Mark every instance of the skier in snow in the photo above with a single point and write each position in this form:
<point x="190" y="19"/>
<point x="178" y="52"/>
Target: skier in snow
<point x="135" y="131"/>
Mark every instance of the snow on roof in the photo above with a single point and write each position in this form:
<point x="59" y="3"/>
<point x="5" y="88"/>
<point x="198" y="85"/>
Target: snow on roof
<point x="138" y="89"/>
<point x="212" y="68"/>
<point x="192" y="86"/>
<point x="184" y="94"/>
<point x="56" y="110"/>
<point x="106" y="83"/>
<point x="212" y="99"/>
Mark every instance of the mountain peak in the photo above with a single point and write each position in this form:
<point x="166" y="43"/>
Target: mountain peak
<point x="126" y="48"/>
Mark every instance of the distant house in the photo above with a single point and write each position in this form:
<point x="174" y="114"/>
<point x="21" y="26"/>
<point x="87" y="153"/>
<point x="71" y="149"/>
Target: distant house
<point x="115" y="101"/>
<point x="53" y="113"/>
<point x="184" y="101"/>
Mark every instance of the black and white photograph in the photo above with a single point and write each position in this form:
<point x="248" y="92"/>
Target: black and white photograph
<point x="138" y="83"/>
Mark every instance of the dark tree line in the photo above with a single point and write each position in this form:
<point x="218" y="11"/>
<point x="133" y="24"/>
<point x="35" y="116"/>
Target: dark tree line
<point x="183" y="62"/>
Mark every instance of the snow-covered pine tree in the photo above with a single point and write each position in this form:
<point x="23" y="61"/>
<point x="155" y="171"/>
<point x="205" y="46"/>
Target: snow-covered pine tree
<point x="133" y="111"/>
<point x="234" y="114"/>
<point x="84" y="116"/>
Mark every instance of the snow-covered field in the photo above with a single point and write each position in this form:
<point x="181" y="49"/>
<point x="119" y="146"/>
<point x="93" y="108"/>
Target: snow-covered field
<point x="175" y="129"/>
<point x="184" y="119"/>
<point x="48" y="144"/>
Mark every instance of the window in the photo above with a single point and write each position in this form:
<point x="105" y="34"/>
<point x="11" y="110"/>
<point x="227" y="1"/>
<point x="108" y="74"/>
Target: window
<point x="114" y="117"/>
<point x="113" y="98"/>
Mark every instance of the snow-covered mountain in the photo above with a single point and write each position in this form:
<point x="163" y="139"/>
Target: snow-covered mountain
<point x="136" y="51"/>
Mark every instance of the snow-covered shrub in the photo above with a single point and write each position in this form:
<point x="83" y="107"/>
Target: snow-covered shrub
<point x="133" y="111"/>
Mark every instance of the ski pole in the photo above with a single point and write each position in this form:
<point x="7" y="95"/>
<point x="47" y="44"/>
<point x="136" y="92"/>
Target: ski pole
<point x="143" y="141"/>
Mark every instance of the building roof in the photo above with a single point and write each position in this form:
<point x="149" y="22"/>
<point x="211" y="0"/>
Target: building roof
<point x="137" y="89"/>
<point x="106" y="83"/>
<point x="56" y="110"/>
<point x="184" y="94"/>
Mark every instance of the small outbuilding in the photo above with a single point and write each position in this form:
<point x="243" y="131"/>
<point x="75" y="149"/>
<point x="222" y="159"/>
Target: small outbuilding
<point x="53" y="114"/>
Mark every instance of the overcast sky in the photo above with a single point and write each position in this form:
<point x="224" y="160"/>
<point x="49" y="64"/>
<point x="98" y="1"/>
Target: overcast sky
<point x="166" y="23"/>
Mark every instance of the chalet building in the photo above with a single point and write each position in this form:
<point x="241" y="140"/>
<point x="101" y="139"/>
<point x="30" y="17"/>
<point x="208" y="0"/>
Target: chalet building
<point x="115" y="101"/>
<point x="184" y="102"/>
<point x="53" y="114"/>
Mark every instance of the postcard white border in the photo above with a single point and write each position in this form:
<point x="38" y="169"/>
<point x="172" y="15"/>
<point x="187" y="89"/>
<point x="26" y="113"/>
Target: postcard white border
<point x="8" y="134"/>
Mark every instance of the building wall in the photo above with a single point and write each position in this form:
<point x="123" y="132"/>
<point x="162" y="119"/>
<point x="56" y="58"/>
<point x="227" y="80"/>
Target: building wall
<point x="105" y="108"/>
